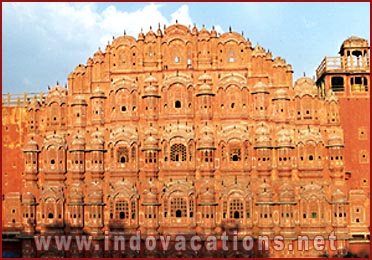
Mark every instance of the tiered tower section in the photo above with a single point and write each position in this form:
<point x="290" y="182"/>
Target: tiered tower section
<point x="348" y="77"/>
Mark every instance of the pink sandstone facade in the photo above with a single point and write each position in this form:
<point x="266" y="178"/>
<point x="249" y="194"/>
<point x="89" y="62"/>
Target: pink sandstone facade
<point x="182" y="131"/>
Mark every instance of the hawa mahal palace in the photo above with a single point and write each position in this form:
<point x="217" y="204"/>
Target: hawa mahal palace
<point x="184" y="131"/>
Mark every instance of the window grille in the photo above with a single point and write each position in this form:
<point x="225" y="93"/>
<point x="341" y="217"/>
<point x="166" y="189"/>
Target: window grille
<point x="248" y="208"/>
<point x="133" y="154"/>
<point x="235" y="154"/>
<point x="133" y="209"/>
<point x="121" y="209"/>
<point x="178" y="207"/>
<point x="178" y="152"/>
<point x="236" y="209"/>
<point x="123" y="155"/>
<point x="191" y="208"/>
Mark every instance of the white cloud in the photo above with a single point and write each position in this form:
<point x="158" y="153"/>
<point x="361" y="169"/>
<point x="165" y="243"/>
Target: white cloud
<point x="114" y="21"/>
<point x="182" y="16"/>
<point x="56" y="37"/>
<point x="71" y="23"/>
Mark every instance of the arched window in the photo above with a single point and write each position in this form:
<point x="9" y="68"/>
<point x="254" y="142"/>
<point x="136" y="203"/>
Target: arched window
<point x="178" y="207"/>
<point x="121" y="209"/>
<point x="178" y="153"/>
<point x="223" y="153"/>
<point x="235" y="154"/>
<point x="133" y="153"/>
<point x="337" y="84"/>
<point x="123" y="155"/>
<point x="359" y="84"/>
<point x="177" y="104"/>
<point x="236" y="209"/>
<point x="231" y="56"/>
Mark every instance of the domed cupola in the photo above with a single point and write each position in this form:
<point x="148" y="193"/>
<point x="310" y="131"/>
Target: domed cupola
<point x="207" y="198"/>
<point x="150" y="143"/>
<point x="206" y="140"/>
<point x="97" y="141"/>
<point x="31" y="146"/>
<point x="77" y="143"/>
<point x="286" y="193"/>
<point x="205" y="85"/>
<point x="281" y="94"/>
<point x="264" y="193"/>
<point x="305" y="86"/>
<point x="263" y="139"/>
<point x="335" y="140"/>
<point x="306" y="100"/>
<point x="284" y="138"/>
<point x="151" y="87"/>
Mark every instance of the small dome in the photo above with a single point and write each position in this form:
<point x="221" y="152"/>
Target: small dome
<point x="281" y="94"/>
<point x="151" y="86"/>
<point x="205" y="89"/>
<point x="284" y="138"/>
<point x="141" y="36"/>
<point x="76" y="194"/>
<point x="206" y="141"/>
<point x="207" y="196"/>
<point x="150" y="197"/>
<point x="206" y="137"/>
<point x="31" y="146"/>
<point x="98" y="56"/>
<point x="97" y="141"/>
<point x="77" y="143"/>
<point x="150" y="143"/>
<point x="204" y="34"/>
<point x="79" y="100"/>
<point x="150" y="34"/>
<point x="28" y="198"/>
<point x="353" y="42"/>
<point x="286" y="192"/>
<point x="335" y="140"/>
<point x="263" y="137"/>
<point x="98" y="93"/>
<point x="338" y="196"/>
<point x="260" y="88"/>
<point x="151" y="90"/>
<point x="310" y="134"/>
<point x="205" y="77"/>
<point x="205" y="85"/>
<point x="258" y="51"/>
<point x="151" y="131"/>
<point x="206" y="129"/>
<point x="264" y="193"/>
<point x="95" y="194"/>
<point x="151" y="80"/>
<point x="305" y="86"/>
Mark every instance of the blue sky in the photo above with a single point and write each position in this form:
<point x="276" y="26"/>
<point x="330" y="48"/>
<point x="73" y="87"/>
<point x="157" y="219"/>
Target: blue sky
<point x="44" y="42"/>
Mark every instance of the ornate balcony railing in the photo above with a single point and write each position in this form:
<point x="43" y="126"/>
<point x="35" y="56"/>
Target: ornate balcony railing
<point x="18" y="100"/>
<point x="338" y="63"/>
